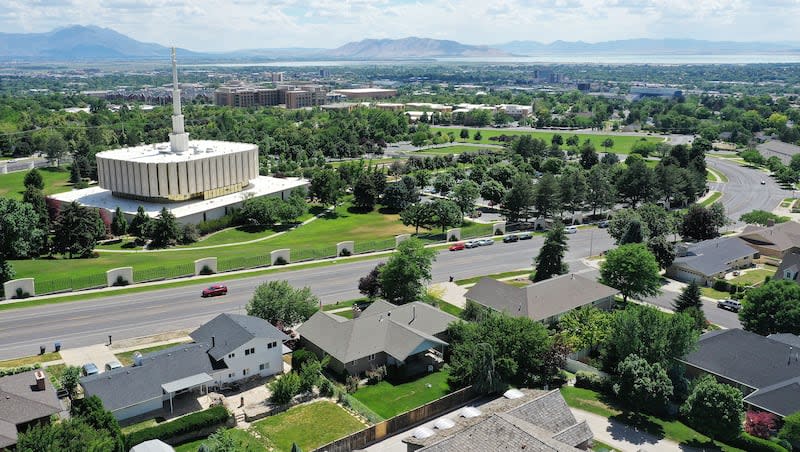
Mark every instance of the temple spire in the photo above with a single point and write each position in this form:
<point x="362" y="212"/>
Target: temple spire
<point x="178" y="139"/>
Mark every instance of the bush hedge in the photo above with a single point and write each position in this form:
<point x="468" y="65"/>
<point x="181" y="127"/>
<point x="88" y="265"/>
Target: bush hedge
<point x="595" y="382"/>
<point x="18" y="370"/>
<point x="187" y="424"/>
<point x="751" y="443"/>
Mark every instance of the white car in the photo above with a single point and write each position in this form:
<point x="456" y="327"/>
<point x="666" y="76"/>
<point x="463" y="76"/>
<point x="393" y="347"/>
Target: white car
<point x="111" y="365"/>
<point x="485" y="242"/>
<point x="571" y="229"/>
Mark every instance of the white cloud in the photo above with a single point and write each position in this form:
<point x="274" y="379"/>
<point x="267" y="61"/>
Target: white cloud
<point x="236" y="24"/>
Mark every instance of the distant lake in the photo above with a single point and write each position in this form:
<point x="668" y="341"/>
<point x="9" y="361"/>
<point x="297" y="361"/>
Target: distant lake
<point x="564" y="59"/>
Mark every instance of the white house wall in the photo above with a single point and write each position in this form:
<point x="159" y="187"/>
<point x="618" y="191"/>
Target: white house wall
<point x="273" y="357"/>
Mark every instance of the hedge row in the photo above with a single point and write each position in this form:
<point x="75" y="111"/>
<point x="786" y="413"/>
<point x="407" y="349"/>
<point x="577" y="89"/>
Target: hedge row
<point x="4" y="371"/>
<point x="752" y="443"/>
<point x="595" y="382"/>
<point x="186" y="424"/>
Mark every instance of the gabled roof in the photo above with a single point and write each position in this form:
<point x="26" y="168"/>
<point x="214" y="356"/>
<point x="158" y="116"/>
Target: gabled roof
<point x="710" y="257"/>
<point x="20" y="402"/>
<point x="231" y="331"/>
<point x="782" y="398"/>
<point x="127" y="386"/>
<point x="790" y="263"/>
<point x="780" y="237"/>
<point x="400" y="331"/>
<point x="540" y="300"/>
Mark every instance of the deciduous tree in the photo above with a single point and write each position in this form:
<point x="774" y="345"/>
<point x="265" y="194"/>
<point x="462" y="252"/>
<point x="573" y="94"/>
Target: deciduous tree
<point x="465" y="194"/>
<point x="281" y="304"/>
<point x="772" y="308"/>
<point x="632" y="270"/>
<point x="645" y="387"/>
<point x="714" y="409"/>
<point x="406" y="272"/>
<point x="76" y="230"/>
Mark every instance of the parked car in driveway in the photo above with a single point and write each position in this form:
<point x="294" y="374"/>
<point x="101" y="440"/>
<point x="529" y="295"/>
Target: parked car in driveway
<point x="111" y="365"/>
<point x="510" y="238"/>
<point x="215" y="290"/>
<point x="472" y="244"/>
<point x="603" y="224"/>
<point x="457" y="246"/>
<point x="485" y="242"/>
<point x="730" y="305"/>
<point x="525" y="236"/>
<point x="89" y="369"/>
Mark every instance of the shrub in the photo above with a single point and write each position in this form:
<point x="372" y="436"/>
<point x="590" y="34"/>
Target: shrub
<point x="284" y="388"/>
<point x="344" y="252"/>
<point x="351" y="383"/>
<point x="721" y="285"/>
<point x="280" y="261"/>
<point x="376" y="375"/>
<point x="189" y="234"/>
<point x="21" y="293"/>
<point x="206" y="270"/>
<point x="759" y="423"/>
<point x="187" y="424"/>
<point x="751" y="443"/>
<point x="595" y="382"/>
<point x="791" y="429"/>
<point x="498" y="232"/>
<point x="18" y="370"/>
<point x="453" y="238"/>
<point x="121" y="281"/>
<point x="207" y="227"/>
<point x="81" y="185"/>
<point x="326" y="388"/>
<point x="300" y="356"/>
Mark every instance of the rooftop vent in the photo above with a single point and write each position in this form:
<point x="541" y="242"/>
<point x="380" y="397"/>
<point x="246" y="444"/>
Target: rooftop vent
<point x="513" y="394"/>
<point x="470" y="412"/>
<point x="444" y="423"/>
<point x="422" y="433"/>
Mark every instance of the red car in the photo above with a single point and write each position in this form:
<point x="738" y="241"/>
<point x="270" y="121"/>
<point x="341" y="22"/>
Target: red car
<point x="457" y="246"/>
<point x="213" y="291"/>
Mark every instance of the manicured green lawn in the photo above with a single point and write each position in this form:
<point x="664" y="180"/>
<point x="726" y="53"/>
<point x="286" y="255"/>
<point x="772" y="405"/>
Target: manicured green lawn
<point x="711" y="199"/>
<point x="29" y="360"/>
<point x="450" y="308"/>
<point x="594" y="402"/>
<point x="622" y="143"/>
<point x="55" y="372"/>
<point x="372" y="230"/>
<point x="348" y="314"/>
<point x="597" y="446"/>
<point x="310" y="426"/>
<point x="245" y="442"/>
<point x="751" y="277"/>
<point x="126" y="358"/>
<point x="56" y="180"/>
<point x="715" y="294"/>
<point x="473" y="280"/>
<point x="389" y="400"/>
<point x="456" y="149"/>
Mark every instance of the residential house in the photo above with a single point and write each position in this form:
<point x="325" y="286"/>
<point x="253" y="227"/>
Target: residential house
<point x="765" y="369"/>
<point x="27" y="399"/>
<point x="773" y="241"/>
<point x="228" y="348"/>
<point x="153" y="445"/>
<point x="409" y="337"/>
<point x="520" y="420"/>
<point x="776" y="148"/>
<point x="545" y="301"/>
<point x="789" y="269"/>
<point x="708" y="260"/>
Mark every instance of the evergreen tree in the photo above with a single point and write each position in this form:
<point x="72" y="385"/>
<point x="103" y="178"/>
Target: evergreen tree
<point x="365" y="193"/>
<point x="164" y="230"/>
<point x="119" y="225"/>
<point x="546" y="197"/>
<point x="34" y="179"/>
<point x="139" y="224"/>
<point x="75" y="174"/>
<point x="633" y="233"/>
<point x="77" y="230"/>
<point x="550" y="260"/>
<point x="689" y="298"/>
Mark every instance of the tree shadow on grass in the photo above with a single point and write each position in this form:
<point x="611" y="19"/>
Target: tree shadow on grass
<point x="696" y="444"/>
<point x="635" y="428"/>
<point x="387" y="211"/>
<point x="316" y="210"/>
<point x="358" y="210"/>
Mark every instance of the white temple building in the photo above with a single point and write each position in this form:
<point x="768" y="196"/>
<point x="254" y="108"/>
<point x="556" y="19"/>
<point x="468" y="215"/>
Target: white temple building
<point x="197" y="180"/>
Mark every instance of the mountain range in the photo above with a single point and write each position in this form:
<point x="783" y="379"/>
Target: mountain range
<point x="79" y="42"/>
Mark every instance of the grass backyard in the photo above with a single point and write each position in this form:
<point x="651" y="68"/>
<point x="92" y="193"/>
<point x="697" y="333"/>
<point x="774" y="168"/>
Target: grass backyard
<point x="715" y="294"/>
<point x="56" y="180"/>
<point x="389" y="400"/>
<point x="245" y="442"/>
<point x="751" y="277"/>
<point x="310" y="426"/>
<point x="370" y="231"/>
<point x="594" y="402"/>
<point x="126" y="358"/>
<point x="622" y="143"/>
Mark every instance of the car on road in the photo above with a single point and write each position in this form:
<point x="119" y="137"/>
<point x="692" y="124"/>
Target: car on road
<point x="730" y="305"/>
<point x="472" y="244"/>
<point x="510" y="238"/>
<point x="525" y="236"/>
<point x="215" y="290"/>
<point x="457" y="246"/>
<point x="571" y="229"/>
<point x="485" y="242"/>
<point x="111" y="365"/>
<point x="603" y="224"/>
<point x="763" y="182"/>
<point x="89" y="369"/>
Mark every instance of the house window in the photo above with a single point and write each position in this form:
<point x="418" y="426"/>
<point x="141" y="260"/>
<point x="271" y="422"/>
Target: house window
<point x="371" y="357"/>
<point x="252" y="350"/>
<point x="231" y="375"/>
<point x="245" y="372"/>
<point x="231" y="355"/>
<point x="272" y="345"/>
<point x="269" y="346"/>
<point x="263" y="366"/>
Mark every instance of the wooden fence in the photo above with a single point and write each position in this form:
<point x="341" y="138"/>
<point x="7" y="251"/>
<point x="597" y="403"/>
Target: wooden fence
<point x="401" y="422"/>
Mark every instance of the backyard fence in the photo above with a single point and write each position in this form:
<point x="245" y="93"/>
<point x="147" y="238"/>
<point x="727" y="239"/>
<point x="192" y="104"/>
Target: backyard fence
<point x="401" y="422"/>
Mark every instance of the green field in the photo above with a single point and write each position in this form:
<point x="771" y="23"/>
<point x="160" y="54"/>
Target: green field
<point x="622" y="143"/>
<point x="245" y="442"/>
<point x="370" y="231"/>
<point x="455" y="149"/>
<point x="389" y="400"/>
<point x="310" y="426"/>
<point x="56" y="180"/>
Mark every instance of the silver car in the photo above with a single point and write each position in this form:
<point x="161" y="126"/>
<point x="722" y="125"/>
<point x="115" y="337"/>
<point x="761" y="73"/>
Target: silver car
<point x="472" y="244"/>
<point x="485" y="242"/>
<point x="111" y="365"/>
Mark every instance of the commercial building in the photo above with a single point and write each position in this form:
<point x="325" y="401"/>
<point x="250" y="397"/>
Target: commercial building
<point x="366" y="93"/>
<point x="237" y="94"/>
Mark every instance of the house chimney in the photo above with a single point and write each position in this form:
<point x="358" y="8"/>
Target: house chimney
<point x="40" y="380"/>
<point x="213" y="341"/>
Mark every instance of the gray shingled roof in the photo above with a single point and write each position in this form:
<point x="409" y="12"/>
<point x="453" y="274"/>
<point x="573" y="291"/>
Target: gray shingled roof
<point x="713" y="256"/>
<point x="744" y="357"/>
<point x="783" y="151"/>
<point x="20" y="403"/>
<point x="786" y="338"/>
<point x="782" y="399"/>
<point x="399" y="331"/>
<point x="790" y="263"/>
<point x="540" y="300"/>
<point x="231" y="331"/>
<point x="780" y="237"/>
<point x="129" y="386"/>
<point x="549" y="411"/>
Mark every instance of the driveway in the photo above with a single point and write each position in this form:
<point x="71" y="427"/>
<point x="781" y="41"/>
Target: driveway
<point x="624" y="437"/>
<point x="97" y="354"/>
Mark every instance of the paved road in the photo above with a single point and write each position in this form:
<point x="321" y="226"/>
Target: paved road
<point x="743" y="192"/>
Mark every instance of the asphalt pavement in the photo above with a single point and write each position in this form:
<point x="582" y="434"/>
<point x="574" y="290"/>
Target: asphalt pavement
<point x="743" y="192"/>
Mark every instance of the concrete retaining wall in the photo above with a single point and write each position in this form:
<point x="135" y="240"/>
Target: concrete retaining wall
<point x="499" y="226"/>
<point x="26" y="284"/>
<point x="348" y="245"/>
<point x="398" y="239"/>
<point x="455" y="232"/>
<point x="210" y="262"/>
<point x="114" y="273"/>
<point x="284" y="253"/>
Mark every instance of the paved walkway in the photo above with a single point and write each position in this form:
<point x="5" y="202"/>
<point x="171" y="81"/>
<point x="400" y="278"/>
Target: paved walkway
<point x="450" y="292"/>
<point x="624" y="437"/>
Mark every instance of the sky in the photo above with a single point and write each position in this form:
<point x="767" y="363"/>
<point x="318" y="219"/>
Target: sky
<point x="219" y="25"/>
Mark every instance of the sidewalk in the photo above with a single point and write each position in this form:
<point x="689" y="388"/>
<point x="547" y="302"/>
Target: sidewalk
<point x="624" y="437"/>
